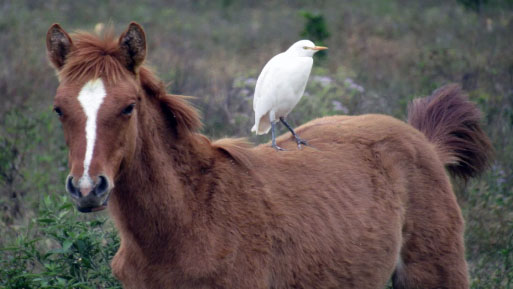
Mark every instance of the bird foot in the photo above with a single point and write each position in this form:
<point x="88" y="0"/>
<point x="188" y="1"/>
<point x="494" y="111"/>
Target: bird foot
<point x="300" y="142"/>
<point x="277" y="148"/>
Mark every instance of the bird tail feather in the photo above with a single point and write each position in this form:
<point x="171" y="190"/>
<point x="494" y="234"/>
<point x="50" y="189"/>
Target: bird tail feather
<point x="262" y="125"/>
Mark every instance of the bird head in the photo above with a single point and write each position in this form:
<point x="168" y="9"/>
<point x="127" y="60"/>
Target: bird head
<point x="305" y="48"/>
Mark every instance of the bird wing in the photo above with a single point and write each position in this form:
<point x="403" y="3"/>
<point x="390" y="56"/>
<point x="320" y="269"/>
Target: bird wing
<point x="263" y="79"/>
<point x="282" y="79"/>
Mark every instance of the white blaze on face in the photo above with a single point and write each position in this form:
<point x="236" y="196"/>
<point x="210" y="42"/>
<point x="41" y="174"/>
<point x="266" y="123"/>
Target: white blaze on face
<point x="90" y="97"/>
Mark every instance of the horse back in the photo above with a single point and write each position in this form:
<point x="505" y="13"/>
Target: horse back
<point x="343" y="201"/>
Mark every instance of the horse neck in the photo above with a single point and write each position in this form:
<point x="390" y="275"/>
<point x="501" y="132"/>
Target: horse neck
<point x="154" y="195"/>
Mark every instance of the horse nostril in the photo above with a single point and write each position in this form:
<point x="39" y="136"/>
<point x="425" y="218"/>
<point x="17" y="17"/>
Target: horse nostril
<point x="70" y="187"/>
<point x="102" y="186"/>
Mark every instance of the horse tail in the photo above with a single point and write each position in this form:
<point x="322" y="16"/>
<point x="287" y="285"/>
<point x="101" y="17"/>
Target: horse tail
<point x="452" y="123"/>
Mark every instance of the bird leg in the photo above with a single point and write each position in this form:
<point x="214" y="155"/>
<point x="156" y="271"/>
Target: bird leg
<point x="299" y="140"/>
<point x="274" y="138"/>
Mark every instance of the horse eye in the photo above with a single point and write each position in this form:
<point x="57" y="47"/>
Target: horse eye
<point x="58" y="111"/>
<point x="128" y="110"/>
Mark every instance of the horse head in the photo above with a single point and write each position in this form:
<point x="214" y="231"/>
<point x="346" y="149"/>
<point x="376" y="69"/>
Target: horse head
<point x="97" y="103"/>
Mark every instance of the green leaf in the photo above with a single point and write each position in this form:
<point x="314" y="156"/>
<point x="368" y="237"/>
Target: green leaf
<point x="62" y="214"/>
<point x="61" y="281"/>
<point x="46" y="220"/>
<point x="47" y="201"/>
<point x="55" y="251"/>
<point x="10" y="249"/>
<point x="66" y="206"/>
<point x="66" y="245"/>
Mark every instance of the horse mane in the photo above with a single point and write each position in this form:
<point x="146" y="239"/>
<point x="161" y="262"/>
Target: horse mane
<point x="94" y="56"/>
<point x="237" y="149"/>
<point x="181" y="114"/>
<point x="186" y="117"/>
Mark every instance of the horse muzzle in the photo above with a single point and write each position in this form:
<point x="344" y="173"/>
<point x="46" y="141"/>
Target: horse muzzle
<point x="91" y="197"/>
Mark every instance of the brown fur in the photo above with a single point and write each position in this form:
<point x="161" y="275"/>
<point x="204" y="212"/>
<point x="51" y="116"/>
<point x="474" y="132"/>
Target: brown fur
<point x="451" y="122"/>
<point x="368" y="198"/>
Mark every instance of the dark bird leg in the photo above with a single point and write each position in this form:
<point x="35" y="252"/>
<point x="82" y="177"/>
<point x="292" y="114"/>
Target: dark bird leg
<point x="299" y="140"/>
<point x="273" y="125"/>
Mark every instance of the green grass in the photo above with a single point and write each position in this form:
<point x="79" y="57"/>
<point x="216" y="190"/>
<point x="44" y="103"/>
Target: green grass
<point x="60" y="249"/>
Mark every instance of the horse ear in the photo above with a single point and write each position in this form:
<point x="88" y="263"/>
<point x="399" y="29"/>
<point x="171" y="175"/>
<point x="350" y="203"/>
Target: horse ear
<point x="58" y="45"/>
<point x="132" y="45"/>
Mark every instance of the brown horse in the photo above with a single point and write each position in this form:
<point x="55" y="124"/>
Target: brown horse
<point x="367" y="201"/>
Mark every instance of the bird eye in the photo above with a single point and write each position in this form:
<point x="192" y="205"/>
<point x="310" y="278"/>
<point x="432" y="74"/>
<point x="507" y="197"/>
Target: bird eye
<point x="305" y="47"/>
<point x="58" y="111"/>
<point x="128" y="110"/>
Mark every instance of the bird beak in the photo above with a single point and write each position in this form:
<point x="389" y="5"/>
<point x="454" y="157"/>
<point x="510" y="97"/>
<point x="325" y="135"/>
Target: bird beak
<point x="319" y="48"/>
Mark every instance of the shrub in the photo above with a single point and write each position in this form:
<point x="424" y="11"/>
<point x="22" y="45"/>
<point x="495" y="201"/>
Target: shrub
<point x="316" y="30"/>
<point x="60" y="249"/>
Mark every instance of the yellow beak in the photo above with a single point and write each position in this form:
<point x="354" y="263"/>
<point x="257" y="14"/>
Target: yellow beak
<point x="319" y="48"/>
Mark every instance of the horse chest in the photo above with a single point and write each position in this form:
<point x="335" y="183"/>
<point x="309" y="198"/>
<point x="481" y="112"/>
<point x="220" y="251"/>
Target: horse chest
<point x="171" y="267"/>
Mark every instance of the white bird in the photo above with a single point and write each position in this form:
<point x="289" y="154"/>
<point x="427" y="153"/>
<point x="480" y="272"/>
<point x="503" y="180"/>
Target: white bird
<point x="280" y="86"/>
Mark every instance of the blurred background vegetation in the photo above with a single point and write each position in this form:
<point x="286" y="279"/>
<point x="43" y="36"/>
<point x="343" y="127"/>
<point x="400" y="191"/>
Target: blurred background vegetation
<point x="382" y="54"/>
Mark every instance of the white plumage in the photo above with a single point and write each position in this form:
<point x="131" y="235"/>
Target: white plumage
<point x="280" y="86"/>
